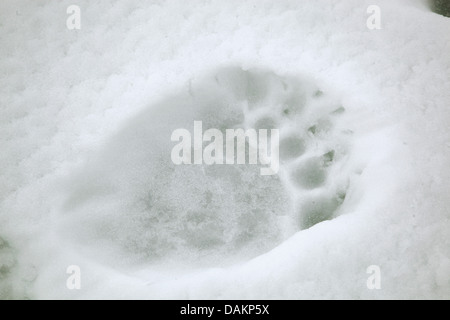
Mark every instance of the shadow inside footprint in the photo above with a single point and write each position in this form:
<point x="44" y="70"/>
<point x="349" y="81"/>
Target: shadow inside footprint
<point x="266" y="123"/>
<point x="318" y="209"/>
<point x="291" y="148"/>
<point x="134" y="198"/>
<point x="134" y="201"/>
<point x="310" y="174"/>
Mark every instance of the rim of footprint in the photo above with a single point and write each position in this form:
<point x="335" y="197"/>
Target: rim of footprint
<point x="131" y="198"/>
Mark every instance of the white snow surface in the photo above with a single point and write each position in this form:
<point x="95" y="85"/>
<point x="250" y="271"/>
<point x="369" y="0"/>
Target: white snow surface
<point x="83" y="120"/>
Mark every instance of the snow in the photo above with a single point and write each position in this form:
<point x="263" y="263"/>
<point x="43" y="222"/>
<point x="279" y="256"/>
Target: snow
<point x="85" y="124"/>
